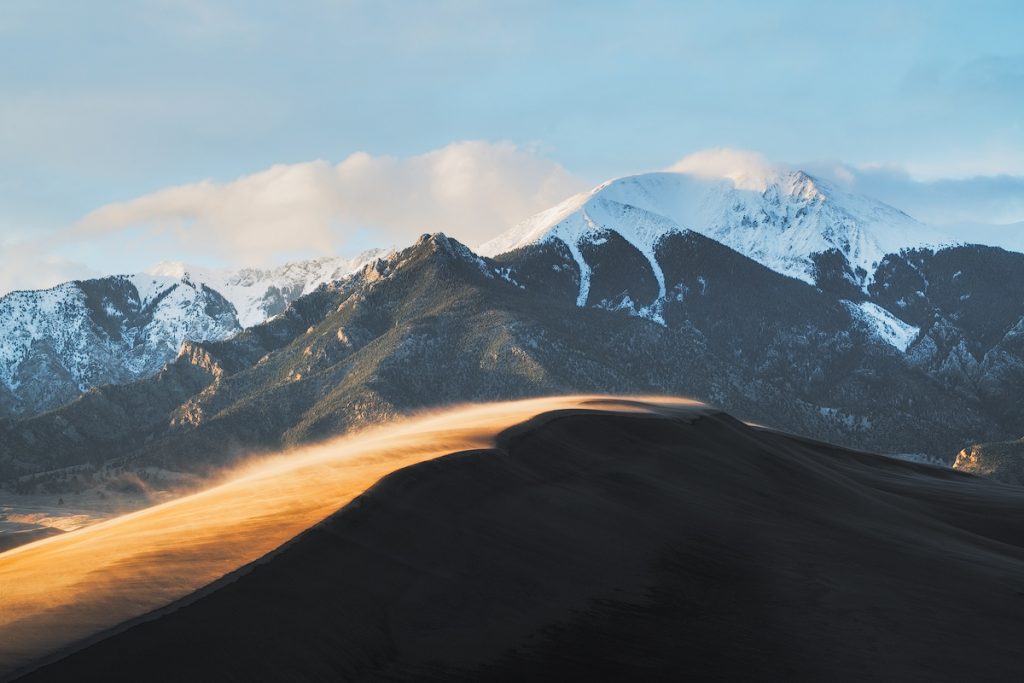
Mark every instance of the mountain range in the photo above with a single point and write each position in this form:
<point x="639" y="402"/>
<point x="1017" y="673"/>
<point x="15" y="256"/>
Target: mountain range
<point x="57" y="343"/>
<point x="780" y="298"/>
<point x="783" y="220"/>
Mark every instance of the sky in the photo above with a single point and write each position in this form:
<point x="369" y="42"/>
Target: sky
<point x="228" y="133"/>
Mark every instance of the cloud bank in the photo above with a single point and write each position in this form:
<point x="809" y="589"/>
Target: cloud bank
<point x="30" y="264"/>
<point x="980" y="199"/>
<point x="471" y="190"/>
<point x="957" y="203"/>
<point x="749" y="170"/>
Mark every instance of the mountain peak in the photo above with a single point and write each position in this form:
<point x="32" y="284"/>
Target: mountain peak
<point x="803" y="185"/>
<point x="261" y="293"/>
<point x="781" y="218"/>
<point x="174" y="269"/>
<point x="107" y="330"/>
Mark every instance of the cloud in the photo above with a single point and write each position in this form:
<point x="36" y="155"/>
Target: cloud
<point x="749" y="170"/>
<point x="31" y="265"/>
<point x="991" y="199"/>
<point x="471" y="190"/>
<point x="981" y="199"/>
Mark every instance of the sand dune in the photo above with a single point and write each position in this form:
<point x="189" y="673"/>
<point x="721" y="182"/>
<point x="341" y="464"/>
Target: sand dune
<point x="62" y="590"/>
<point x="560" y="539"/>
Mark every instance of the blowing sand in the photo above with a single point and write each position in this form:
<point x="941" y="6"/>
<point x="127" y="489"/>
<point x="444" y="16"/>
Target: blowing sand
<point x="65" y="589"/>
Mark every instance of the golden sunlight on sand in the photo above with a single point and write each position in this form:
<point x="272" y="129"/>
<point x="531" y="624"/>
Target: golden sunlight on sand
<point x="58" y="591"/>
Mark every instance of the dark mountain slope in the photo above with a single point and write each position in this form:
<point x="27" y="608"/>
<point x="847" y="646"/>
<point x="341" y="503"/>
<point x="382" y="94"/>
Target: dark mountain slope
<point x="436" y="325"/>
<point x="591" y="545"/>
<point x="775" y="330"/>
<point x="969" y="303"/>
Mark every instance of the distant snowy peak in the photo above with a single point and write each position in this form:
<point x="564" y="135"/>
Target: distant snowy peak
<point x="261" y="293"/>
<point x="58" y="342"/>
<point x="781" y="221"/>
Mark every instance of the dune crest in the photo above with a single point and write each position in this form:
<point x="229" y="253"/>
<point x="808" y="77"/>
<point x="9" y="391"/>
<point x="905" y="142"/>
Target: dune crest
<point x="65" y="589"/>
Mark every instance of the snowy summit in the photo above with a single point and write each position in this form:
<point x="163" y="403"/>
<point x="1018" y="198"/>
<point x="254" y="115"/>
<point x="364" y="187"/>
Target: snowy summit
<point x="780" y="218"/>
<point x="261" y="293"/>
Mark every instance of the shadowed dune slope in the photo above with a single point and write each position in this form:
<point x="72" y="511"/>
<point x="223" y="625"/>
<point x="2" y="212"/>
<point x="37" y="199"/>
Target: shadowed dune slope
<point x="59" y="592"/>
<point x="631" y="542"/>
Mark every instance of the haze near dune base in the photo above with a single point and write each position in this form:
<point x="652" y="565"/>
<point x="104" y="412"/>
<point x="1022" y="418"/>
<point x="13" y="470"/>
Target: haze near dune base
<point x="58" y="591"/>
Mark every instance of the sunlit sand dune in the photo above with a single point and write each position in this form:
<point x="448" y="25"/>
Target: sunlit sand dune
<point x="61" y="590"/>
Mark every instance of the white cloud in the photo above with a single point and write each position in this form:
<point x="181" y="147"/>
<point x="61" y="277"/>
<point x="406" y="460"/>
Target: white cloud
<point x="749" y="170"/>
<point x="470" y="190"/>
<point x="954" y="202"/>
<point x="30" y="265"/>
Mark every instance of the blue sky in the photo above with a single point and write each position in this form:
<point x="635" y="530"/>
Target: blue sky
<point x="105" y="102"/>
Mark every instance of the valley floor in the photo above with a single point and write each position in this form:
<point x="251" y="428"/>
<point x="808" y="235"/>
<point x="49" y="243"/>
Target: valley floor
<point x="25" y="518"/>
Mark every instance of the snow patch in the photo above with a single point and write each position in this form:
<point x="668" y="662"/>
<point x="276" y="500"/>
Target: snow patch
<point x="574" y="249"/>
<point x="920" y="458"/>
<point x="626" y="304"/>
<point x="150" y="286"/>
<point x="848" y="420"/>
<point x="883" y="324"/>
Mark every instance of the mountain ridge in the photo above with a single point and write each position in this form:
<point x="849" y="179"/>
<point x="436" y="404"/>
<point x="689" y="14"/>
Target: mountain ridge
<point x="949" y="314"/>
<point x="57" y="343"/>
<point x="435" y="325"/>
<point x="60" y="342"/>
<point x="780" y="220"/>
<point x="261" y="293"/>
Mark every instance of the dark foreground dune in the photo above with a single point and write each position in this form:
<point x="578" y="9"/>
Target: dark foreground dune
<point x="667" y="543"/>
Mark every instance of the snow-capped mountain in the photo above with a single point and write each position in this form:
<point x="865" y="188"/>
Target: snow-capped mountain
<point x="669" y="246"/>
<point x="59" y="342"/>
<point x="261" y="293"/>
<point x="928" y="360"/>
<point x="782" y="219"/>
<point x="661" y="246"/>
